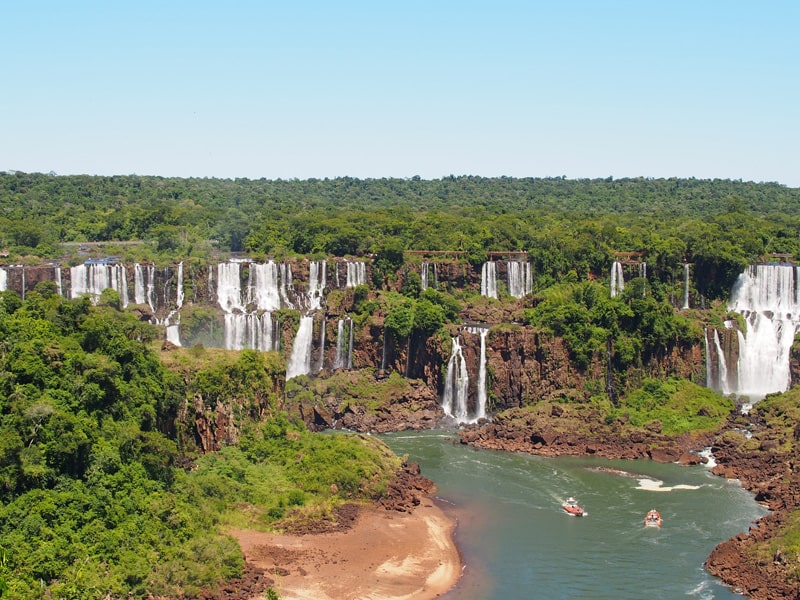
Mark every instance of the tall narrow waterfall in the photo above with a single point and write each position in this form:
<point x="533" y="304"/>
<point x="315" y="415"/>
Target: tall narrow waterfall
<point x="456" y="385"/>
<point x="722" y="366"/>
<point x="344" y="344"/>
<point x="520" y="278"/>
<point x="151" y="287"/>
<point x="686" y="286"/>
<point x="321" y="361"/>
<point x="57" y="275"/>
<point x="481" y="392"/>
<point x="173" y="319"/>
<point x="316" y="284"/>
<point x="767" y="296"/>
<point x="138" y="284"/>
<point x="300" y="359"/>
<point x="356" y="273"/>
<point x="617" y="279"/>
<point x="429" y="276"/>
<point x="3" y="280"/>
<point x="489" y="280"/>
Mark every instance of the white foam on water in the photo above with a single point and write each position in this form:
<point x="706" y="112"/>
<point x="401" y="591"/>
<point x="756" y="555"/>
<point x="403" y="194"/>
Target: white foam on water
<point x="655" y="485"/>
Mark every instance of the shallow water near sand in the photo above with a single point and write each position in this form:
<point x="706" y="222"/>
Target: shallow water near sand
<point x="518" y="543"/>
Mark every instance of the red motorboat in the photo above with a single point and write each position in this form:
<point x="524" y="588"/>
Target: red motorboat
<point x="653" y="519"/>
<point x="571" y="507"/>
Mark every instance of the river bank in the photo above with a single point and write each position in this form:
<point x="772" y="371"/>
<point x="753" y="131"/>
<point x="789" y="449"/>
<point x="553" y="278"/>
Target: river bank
<point x="750" y="449"/>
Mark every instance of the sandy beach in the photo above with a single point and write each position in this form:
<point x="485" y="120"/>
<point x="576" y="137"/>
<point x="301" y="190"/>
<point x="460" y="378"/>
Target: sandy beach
<point x="386" y="554"/>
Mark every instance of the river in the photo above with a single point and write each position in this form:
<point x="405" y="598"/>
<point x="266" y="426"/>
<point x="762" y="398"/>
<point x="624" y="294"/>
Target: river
<point x="518" y="543"/>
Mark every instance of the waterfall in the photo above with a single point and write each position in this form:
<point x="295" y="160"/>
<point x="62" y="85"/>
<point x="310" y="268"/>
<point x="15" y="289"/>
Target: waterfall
<point x="322" y="328"/>
<point x="426" y="270"/>
<point x="316" y="284"/>
<point x="617" y="279"/>
<point x="285" y="284"/>
<point x="173" y="320"/>
<point x="57" y="274"/>
<point x="340" y="360"/>
<point x="3" y="280"/>
<point x="300" y="359"/>
<point x="265" y="286"/>
<point x="480" y="409"/>
<point x="722" y="367"/>
<point x="643" y="275"/>
<point x="138" y="284"/>
<point x="24" y="284"/>
<point x="686" y="286"/>
<point x="151" y="286"/>
<point x="356" y="273"/>
<point x="383" y="353"/>
<point x="767" y="297"/>
<point x="456" y="386"/>
<point x="489" y="280"/>
<point x="520" y="278"/>
<point x="350" y="347"/>
<point x="229" y="293"/>
<point x="92" y="278"/>
<point x="251" y="331"/>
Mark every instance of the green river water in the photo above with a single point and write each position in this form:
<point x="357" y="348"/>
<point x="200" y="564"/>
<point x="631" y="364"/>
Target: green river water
<point x="518" y="543"/>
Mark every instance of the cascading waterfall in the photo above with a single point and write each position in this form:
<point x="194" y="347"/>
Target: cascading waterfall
<point x="264" y="289"/>
<point x="520" y="278"/>
<point x="151" y="287"/>
<point x="685" y="286"/>
<point x="489" y="279"/>
<point x="24" y="283"/>
<point x="456" y="385"/>
<point x="340" y="360"/>
<point x="57" y="274"/>
<point x="480" y="409"/>
<point x="316" y="284"/>
<point x="350" y="347"/>
<point x="3" y="280"/>
<point x="173" y="319"/>
<point x="643" y="275"/>
<point x="138" y="284"/>
<point x="321" y="361"/>
<point x="92" y="278"/>
<point x="768" y="298"/>
<point x="255" y="330"/>
<point x="285" y="284"/>
<point x="300" y="359"/>
<point x="251" y="331"/>
<point x="617" y="279"/>
<point x="356" y="273"/>
<point x="722" y="366"/>
<point x="426" y="270"/>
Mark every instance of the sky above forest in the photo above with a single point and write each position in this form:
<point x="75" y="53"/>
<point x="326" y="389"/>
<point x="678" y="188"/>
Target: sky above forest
<point x="301" y="89"/>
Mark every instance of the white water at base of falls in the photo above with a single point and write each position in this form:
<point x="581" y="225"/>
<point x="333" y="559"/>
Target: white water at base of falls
<point x="300" y="359"/>
<point x="768" y="298"/>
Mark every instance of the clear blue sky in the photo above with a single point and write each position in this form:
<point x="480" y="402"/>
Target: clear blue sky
<point x="685" y="88"/>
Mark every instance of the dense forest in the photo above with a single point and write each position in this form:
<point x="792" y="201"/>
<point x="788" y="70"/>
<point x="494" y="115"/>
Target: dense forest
<point x="104" y="490"/>
<point x="718" y="225"/>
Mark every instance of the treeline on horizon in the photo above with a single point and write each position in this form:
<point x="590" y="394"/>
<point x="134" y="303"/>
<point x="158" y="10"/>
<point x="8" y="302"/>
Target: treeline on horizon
<point x="719" y="226"/>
